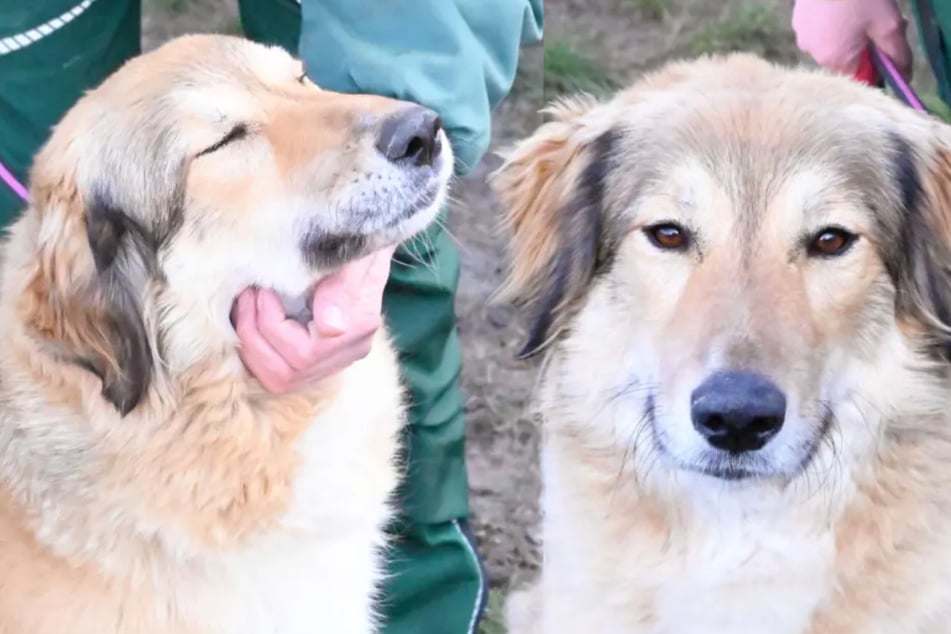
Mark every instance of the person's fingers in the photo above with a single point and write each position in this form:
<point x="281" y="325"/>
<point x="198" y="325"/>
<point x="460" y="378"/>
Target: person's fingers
<point x="333" y="300"/>
<point x="347" y="305"/>
<point x="379" y="272"/>
<point x="350" y="295"/>
<point x="845" y="62"/>
<point x="337" y="360"/>
<point x="329" y="319"/>
<point x="287" y="337"/>
<point x="261" y="360"/>
<point x="837" y="33"/>
<point x="244" y="311"/>
<point x="893" y="42"/>
<point x="373" y="284"/>
<point x="361" y="326"/>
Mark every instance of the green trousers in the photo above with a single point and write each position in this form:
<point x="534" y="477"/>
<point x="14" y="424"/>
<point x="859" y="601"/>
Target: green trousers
<point x="50" y="52"/>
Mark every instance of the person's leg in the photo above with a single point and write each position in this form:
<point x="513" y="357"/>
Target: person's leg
<point x="50" y="52"/>
<point x="435" y="580"/>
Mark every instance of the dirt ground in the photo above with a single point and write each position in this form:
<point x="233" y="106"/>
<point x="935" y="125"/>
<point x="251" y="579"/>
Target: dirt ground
<point x="592" y="45"/>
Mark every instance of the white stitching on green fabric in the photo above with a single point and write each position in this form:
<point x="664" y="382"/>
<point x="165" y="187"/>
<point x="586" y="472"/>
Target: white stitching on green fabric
<point x="470" y="549"/>
<point x="19" y="41"/>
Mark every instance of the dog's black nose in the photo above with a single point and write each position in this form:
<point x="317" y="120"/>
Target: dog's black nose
<point x="737" y="411"/>
<point x="411" y="135"/>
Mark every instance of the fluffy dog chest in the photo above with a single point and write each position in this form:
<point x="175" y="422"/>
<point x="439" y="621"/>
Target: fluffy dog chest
<point x="315" y="570"/>
<point x="287" y="587"/>
<point x="725" y="569"/>
<point x="318" y="571"/>
<point x="751" y="579"/>
<point x="743" y="580"/>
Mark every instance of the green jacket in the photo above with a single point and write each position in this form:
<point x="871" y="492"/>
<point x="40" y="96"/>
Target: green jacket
<point x="457" y="57"/>
<point x="934" y="27"/>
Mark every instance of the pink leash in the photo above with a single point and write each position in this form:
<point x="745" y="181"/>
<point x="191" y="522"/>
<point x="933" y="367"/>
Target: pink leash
<point x="876" y="68"/>
<point x="13" y="183"/>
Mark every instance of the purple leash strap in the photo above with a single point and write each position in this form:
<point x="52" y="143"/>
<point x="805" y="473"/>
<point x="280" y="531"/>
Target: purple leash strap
<point x="888" y="71"/>
<point x="13" y="183"/>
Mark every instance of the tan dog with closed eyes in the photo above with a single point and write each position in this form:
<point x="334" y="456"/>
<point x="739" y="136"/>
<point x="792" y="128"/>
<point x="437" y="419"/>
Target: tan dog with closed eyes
<point x="148" y="484"/>
<point x="741" y="275"/>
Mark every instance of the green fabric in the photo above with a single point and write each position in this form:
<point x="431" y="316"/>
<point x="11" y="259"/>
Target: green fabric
<point x="419" y="307"/>
<point x="271" y="22"/>
<point x="41" y="81"/>
<point x="940" y="36"/>
<point x="457" y="57"/>
<point x="435" y="584"/>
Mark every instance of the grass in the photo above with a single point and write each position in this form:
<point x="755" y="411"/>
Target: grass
<point x="749" y="27"/>
<point x="233" y="27"/>
<point x="528" y="76"/>
<point x="569" y="70"/>
<point x="492" y="622"/>
<point x="175" y="6"/>
<point x="937" y="107"/>
<point x="653" y="9"/>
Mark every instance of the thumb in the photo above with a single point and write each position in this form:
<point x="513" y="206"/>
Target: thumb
<point x="338" y="295"/>
<point x="893" y="42"/>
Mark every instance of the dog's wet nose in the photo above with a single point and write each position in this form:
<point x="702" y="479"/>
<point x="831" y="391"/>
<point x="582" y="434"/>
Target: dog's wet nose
<point x="738" y="411"/>
<point x="411" y="135"/>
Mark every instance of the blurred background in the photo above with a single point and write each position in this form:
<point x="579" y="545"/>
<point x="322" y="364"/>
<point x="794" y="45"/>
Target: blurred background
<point x="590" y="45"/>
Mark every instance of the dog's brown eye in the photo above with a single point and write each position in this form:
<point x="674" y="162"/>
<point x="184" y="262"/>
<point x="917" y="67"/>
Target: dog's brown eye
<point x="667" y="236"/>
<point x="831" y="241"/>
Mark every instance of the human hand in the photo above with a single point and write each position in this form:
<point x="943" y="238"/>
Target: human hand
<point x="837" y="32"/>
<point x="283" y="354"/>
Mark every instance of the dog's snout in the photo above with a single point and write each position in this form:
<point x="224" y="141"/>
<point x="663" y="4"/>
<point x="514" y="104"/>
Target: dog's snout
<point x="411" y="135"/>
<point x="738" y="411"/>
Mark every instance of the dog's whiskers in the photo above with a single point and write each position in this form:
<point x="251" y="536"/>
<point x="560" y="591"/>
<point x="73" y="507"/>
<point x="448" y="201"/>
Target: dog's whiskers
<point x="653" y="454"/>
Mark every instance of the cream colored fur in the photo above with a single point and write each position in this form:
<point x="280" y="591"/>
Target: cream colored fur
<point x="200" y="504"/>
<point x="752" y="157"/>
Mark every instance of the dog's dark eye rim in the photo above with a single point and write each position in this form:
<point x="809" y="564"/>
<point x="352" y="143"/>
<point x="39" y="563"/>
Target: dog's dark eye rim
<point x="830" y="242"/>
<point x="236" y="133"/>
<point x="668" y="236"/>
<point x="302" y="78"/>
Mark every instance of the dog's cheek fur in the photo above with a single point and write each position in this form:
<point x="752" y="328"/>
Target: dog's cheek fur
<point x="922" y="270"/>
<point x="552" y="189"/>
<point x="82" y="299"/>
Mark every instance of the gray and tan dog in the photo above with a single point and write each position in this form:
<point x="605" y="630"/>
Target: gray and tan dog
<point x="741" y="277"/>
<point x="148" y="484"/>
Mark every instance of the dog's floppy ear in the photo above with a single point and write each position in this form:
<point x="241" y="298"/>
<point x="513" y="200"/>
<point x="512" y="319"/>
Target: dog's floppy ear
<point x="83" y="298"/>
<point x="923" y="272"/>
<point x="552" y="190"/>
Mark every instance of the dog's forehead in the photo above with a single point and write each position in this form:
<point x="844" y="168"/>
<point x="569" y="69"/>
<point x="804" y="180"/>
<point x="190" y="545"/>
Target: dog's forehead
<point x="201" y="68"/>
<point x="748" y="150"/>
<point x="208" y="57"/>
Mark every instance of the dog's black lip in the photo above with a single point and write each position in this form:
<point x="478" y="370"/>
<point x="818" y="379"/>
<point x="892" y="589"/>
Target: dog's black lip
<point x="334" y="250"/>
<point x="730" y="473"/>
<point x="422" y="200"/>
